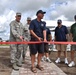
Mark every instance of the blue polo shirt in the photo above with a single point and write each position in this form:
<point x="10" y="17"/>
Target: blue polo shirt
<point x="37" y="27"/>
<point x="60" y="33"/>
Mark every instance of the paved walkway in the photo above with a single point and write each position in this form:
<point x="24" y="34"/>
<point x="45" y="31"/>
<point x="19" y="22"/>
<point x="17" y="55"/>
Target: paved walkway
<point x="50" y="69"/>
<point x="6" y="67"/>
<point x="4" y="46"/>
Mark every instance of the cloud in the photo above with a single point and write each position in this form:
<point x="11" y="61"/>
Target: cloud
<point x="5" y="19"/>
<point x="53" y="8"/>
<point x="60" y="9"/>
<point x="66" y="9"/>
<point x="31" y="5"/>
<point x="23" y="5"/>
<point x="62" y="17"/>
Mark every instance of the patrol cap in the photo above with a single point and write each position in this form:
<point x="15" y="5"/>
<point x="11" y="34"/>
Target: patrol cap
<point x="59" y="21"/>
<point x="40" y="11"/>
<point x="75" y="17"/>
<point x="18" y="14"/>
<point x="28" y="18"/>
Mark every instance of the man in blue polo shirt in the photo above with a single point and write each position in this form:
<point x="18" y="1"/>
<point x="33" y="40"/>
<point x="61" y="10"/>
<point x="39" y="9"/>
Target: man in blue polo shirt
<point x="38" y="33"/>
<point x="61" y="34"/>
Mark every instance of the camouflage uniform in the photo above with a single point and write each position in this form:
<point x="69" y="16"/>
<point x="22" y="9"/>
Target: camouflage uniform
<point x="16" y="30"/>
<point x="26" y="38"/>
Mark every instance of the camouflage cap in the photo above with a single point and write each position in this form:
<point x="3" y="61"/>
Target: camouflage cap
<point x="18" y="13"/>
<point x="28" y="18"/>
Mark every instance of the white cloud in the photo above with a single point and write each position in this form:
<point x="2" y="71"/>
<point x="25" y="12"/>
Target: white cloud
<point x="55" y="9"/>
<point x="62" y="17"/>
<point x="5" y="19"/>
<point x="66" y="8"/>
<point x="23" y="5"/>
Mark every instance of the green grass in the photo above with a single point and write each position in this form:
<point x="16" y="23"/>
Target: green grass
<point x="4" y="45"/>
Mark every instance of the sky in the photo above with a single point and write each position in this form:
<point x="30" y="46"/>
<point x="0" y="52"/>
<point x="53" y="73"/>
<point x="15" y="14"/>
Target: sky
<point x="55" y="9"/>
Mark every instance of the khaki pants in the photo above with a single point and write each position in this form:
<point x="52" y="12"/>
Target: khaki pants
<point x="61" y="47"/>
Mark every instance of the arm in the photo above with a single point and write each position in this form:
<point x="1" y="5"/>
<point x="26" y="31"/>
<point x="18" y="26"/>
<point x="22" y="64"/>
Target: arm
<point x="50" y="37"/>
<point x="44" y="31"/>
<point x="25" y="28"/>
<point x="55" y="38"/>
<point x="71" y="35"/>
<point x="44" y="34"/>
<point x="31" y="28"/>
<point x="67" y="37"/>
<point x="71" y="38"/>
<point x="67" y="34"/>
<point x="14" y="31"/>
<point x="55" y="35"/>
<point x="32" y="33"/>
<point x="26" y="33"/>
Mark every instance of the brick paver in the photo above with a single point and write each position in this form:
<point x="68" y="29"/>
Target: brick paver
<point x="6" y="66"/>
<point x="49" y="69"/>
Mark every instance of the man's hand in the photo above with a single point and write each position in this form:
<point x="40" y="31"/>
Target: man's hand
<point x="45" y="40"/>
<point x="39" y="39"/>
<point x="50" y="41"/>
<point x="21" y="38"/>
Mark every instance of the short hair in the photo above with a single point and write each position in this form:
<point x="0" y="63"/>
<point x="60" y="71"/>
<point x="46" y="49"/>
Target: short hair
<point x="75" y="17"/>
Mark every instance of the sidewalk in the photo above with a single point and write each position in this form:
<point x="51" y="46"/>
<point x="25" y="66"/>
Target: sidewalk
<point x="50" y="69"/>
<point x="6" y="67"/>
<point x="4" y="46"/>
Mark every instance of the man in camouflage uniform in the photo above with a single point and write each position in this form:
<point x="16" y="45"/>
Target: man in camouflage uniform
<point x="16" y="35"/>
<point x="26" y="37"/>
